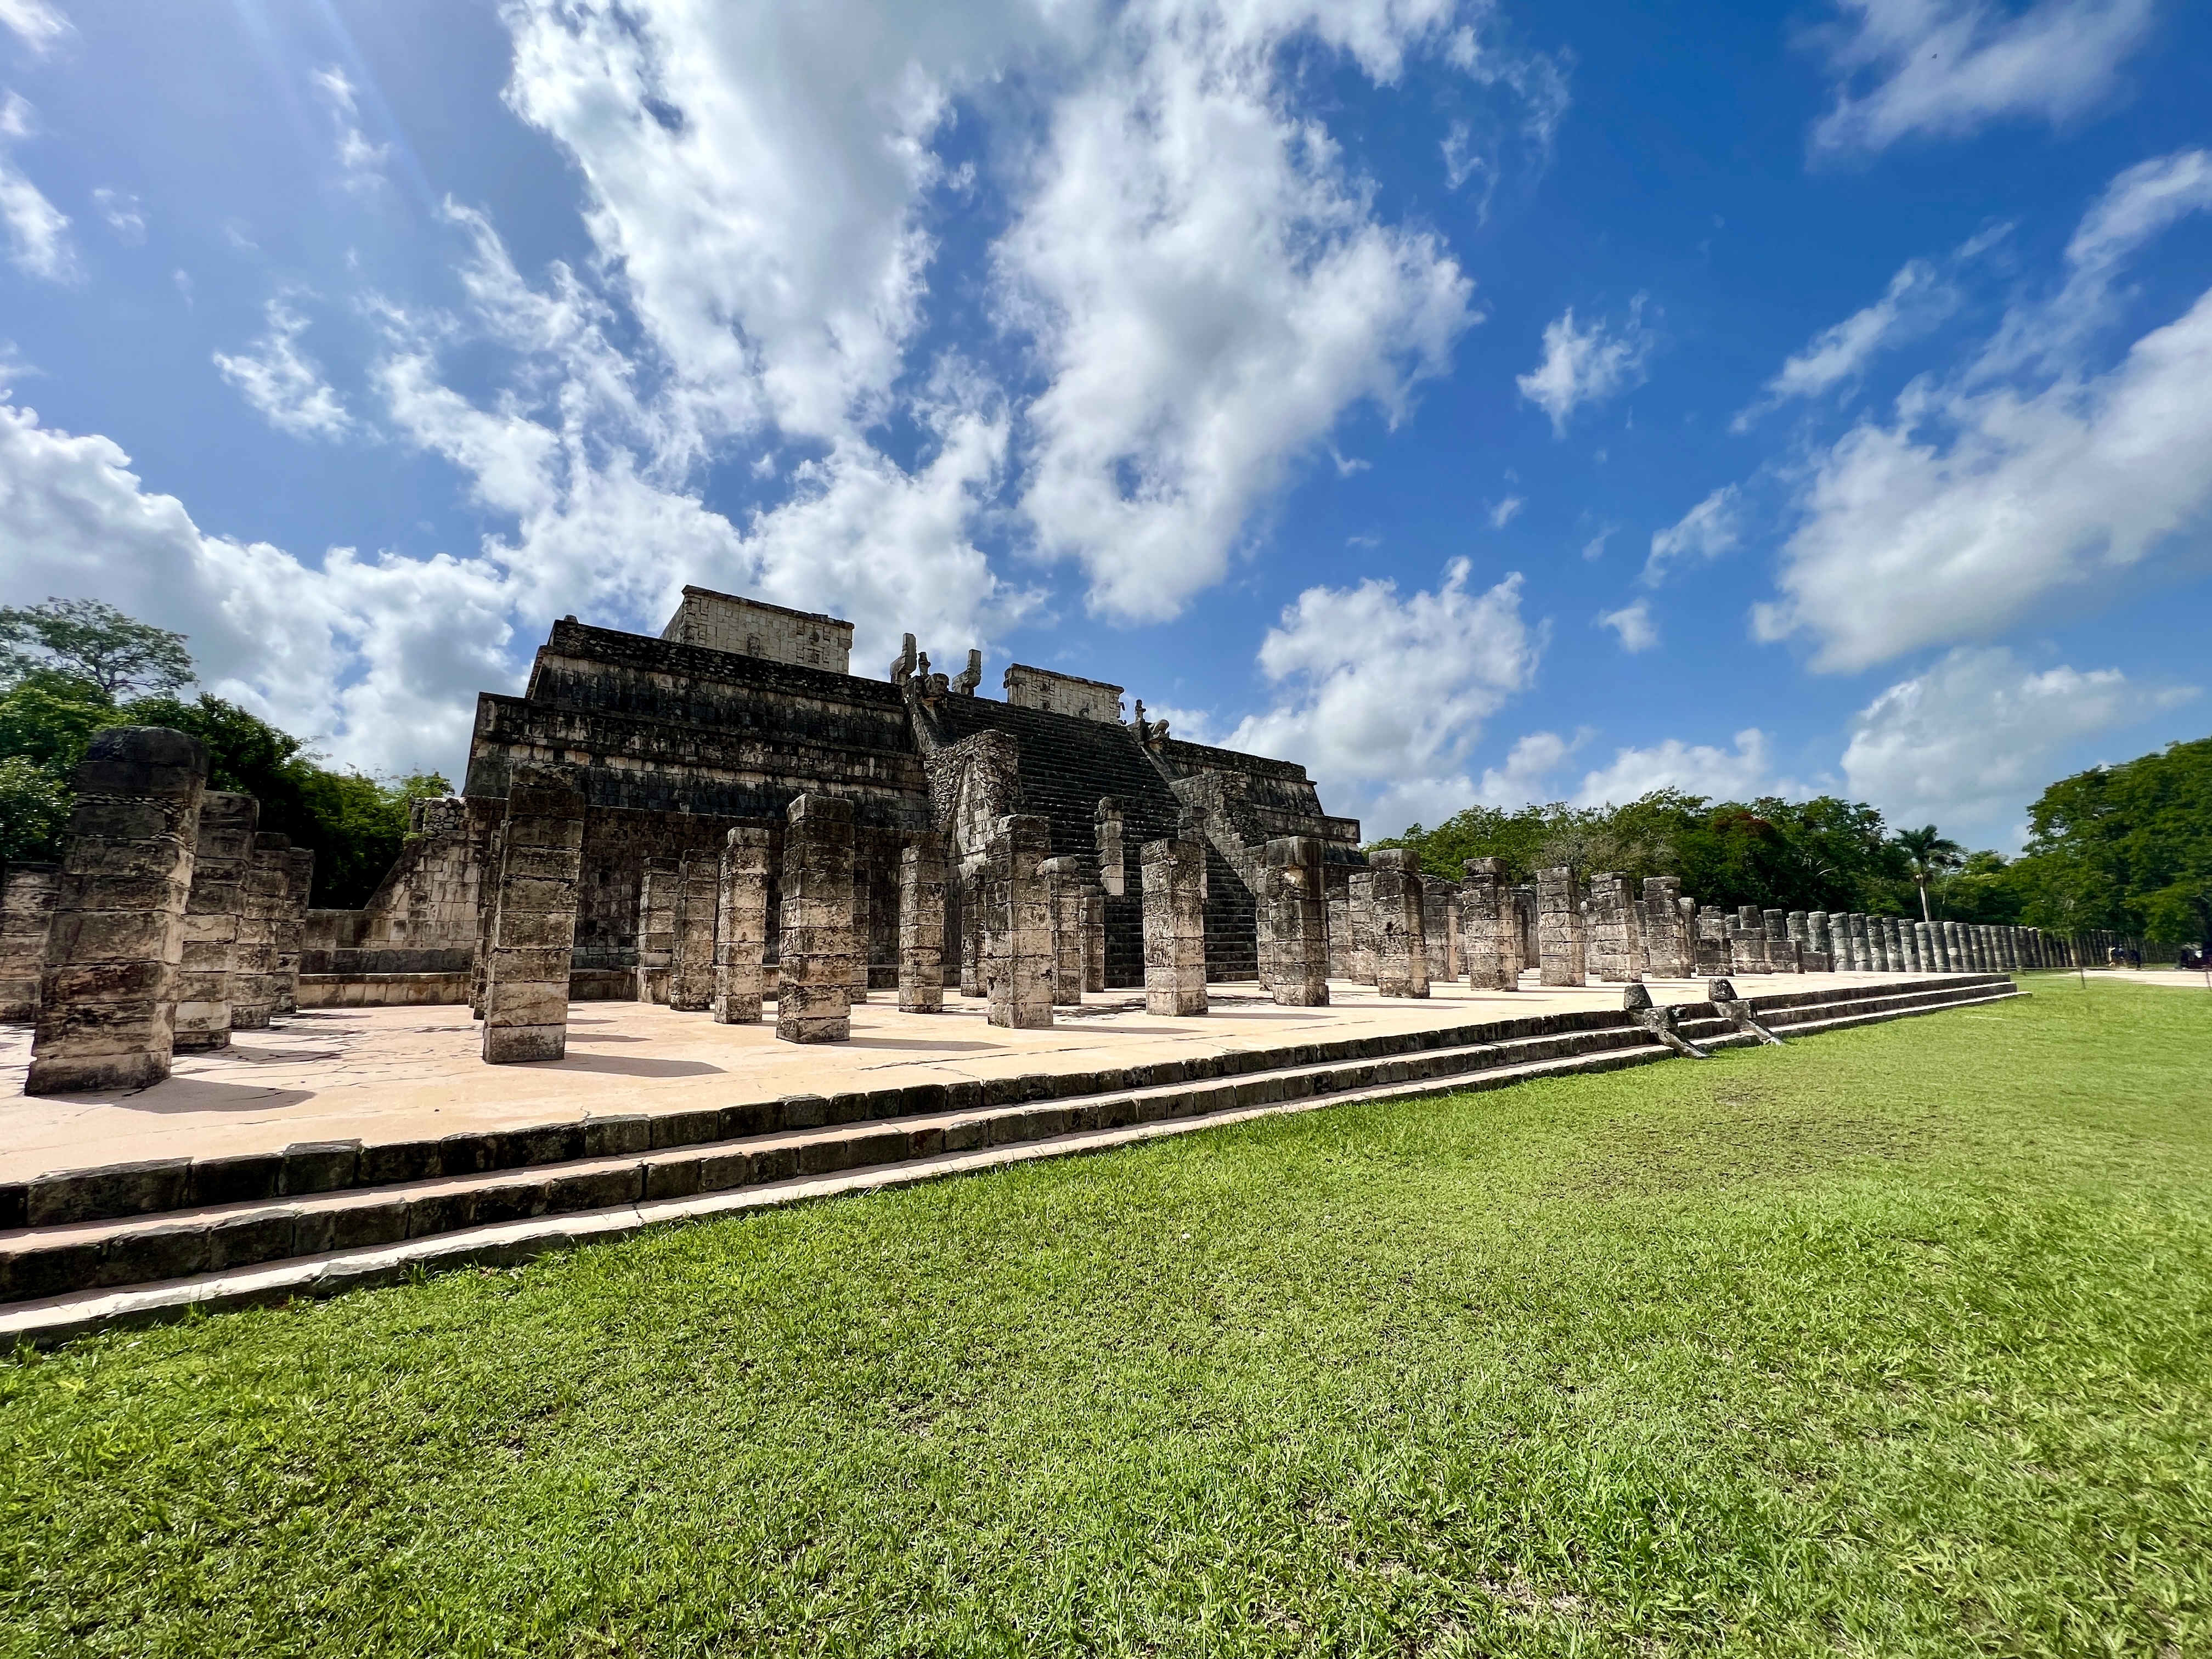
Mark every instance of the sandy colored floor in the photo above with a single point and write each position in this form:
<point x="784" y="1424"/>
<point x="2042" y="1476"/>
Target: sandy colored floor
<point x="387" y="1074"/>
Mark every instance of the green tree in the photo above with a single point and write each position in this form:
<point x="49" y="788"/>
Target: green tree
<point x="34" y="810"/>
<point x="2130" y="846"/>
<point x="1928" y="854"/>
<point x="94" y="641"/>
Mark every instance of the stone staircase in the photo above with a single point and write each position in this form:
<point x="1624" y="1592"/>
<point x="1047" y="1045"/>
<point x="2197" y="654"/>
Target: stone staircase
<point x="82" y="1249"/>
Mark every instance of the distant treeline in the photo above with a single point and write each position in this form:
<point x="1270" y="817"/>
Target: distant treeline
<point x="2124" y="848"/>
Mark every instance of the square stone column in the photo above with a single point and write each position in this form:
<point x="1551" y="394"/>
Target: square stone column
<point x="533" y="943"/>
<point x="1559" y="935"/>
<point x="1710" y="941"/>
<point x="1175" y="927"/>
<point x="1298" y="923"/>
<point x="1338" y="908"/>
<point x="1360" y="892"/>
<point x="921" y="926"/>
<point x="487" y="919"/>
<point x="1615" y="948"/>
<point x="291" y="928"/>
<point x="1399" y="918"/>
<point x="107" y="987"/>
<point x="860" y="926"/>
<point x="1106" y="823"/>
<point x="1094" y="937"/>
<point x="741" y="927"/>
<point x="691" y="959"/>
<point x="1019" y="965"/>
<point x="1490" y="927"/>
<point x="27" y="907"/>
<point x="1440" y="928"/>
<point x="656" y="929"/>
<point x="209" y="960"/>
<point x="1063" y="878"/>
<point x="814" y="982"/>
<point x="1666" y="941"/>
<point x="260" y="917"/>
<point x="1747" y="941"/>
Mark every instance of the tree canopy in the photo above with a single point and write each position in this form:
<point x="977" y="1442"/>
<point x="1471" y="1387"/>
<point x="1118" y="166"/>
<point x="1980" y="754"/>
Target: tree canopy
<point x="89" y="641"/>
<point x="2127" y="847"/>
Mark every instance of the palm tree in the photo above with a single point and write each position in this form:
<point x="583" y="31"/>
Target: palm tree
<point x="1928" y="852"/>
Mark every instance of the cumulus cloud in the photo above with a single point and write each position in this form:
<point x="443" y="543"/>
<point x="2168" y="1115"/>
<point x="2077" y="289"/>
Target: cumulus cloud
<point x="1738" y="774"/>
<point x="282" y="384"/>
<point x="1705" y="532"/>
<point x="1971" y="741"/>
<point x="37" y="231"/>
<point x="34" y="22"/>
<point x="1586" y="365"/>
<point x="1946" y="68"/>
<point x="1209" y="290"/>
<point x="1633" y="623"/>
<point x="1386" y="694"/>
<point x="2024" y="476"/>
<point x="1529" y="764"/>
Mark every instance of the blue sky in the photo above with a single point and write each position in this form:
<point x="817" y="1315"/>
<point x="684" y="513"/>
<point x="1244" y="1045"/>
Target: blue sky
<point x="1473" y="402"/>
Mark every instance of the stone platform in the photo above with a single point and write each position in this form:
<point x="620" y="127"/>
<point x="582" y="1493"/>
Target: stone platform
<point x="406" y="1074"/>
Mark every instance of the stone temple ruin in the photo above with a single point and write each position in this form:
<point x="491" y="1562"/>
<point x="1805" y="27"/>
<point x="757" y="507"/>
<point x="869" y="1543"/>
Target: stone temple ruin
<point x="725" y="818"/>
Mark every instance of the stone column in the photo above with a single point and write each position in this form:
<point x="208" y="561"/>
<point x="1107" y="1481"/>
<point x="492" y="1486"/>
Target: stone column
<point x="261" y="910"/>
<point x="107" y="985"/>
<point x="1747" y="941"/>
<point x="1663" y="955"/>
<point x="858" y="993"/>
<point x="1560" y="927"/>
<point x="27" y="906"/>
<point x="741" y="927"/>
<point x="1063" y="879"/>
<point x="1615" y="950"/>
<point x="1094" y="936"/>
<point x="1018" y="966"/>
<point x="656" y="929"/>
<point x="968" y="880"/>
<point x="1489" y="927"/>
<point x="487" y="922"/>
<point x="533" y="942"/>
<point x="1298" y="923"/>
<point x="291" y="928"/>
<point x="1175" y="927"/>
<point x="1338" y="909"/>
<point x="1107" y="829"/>
<point x="814" y="982"/>
<point x="1440" y="928"/>
<point x="1361" y="891"/>
<point x="692" y="961"/>
<point x="1955" y="948"/>
<point x="210" y="959"/>
<point x="1816" y="935"/>
<point x="1923" y="959"/>
<point x="1399" y="919"/>
<point x="921" y="925"/>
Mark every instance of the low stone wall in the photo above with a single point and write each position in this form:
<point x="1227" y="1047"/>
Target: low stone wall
<point x="382" y="990"/>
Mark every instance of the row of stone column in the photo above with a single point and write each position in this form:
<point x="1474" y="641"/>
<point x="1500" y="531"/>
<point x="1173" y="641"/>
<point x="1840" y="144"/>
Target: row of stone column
<point x="170" y="922"/>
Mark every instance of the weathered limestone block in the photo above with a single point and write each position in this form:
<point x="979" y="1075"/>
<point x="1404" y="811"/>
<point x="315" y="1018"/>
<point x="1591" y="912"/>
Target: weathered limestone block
<point x="1712" y="941"/>
<point x="741" y="926"/>
<point x="814" y="978"/>
<point x="1616" y="949"/>
<point x="534" y="930"/>
<point x="1954" y="959"/>
<point x="1112" y="872"/>
<point x="1559" y="930"/>
<point x="1360" y="959"/>
<point x="1399" y="918"/>
<point x="1298" y="923"/>
<point x="209" y="958"/>
<point x="1440" y="927"/>
<point x="1094" y="937"/>
<point x="921" y="926"/>
<point x="292" y="929"/>
<point x="1175" y="927"/>
<point x="107" y="984"/>
<point x="1489" y="927"/>
<point x="692" y="963"/>
<point x="260" y="917"/>
<point x="1018" y="964"/>
<point x="1063" y="879"/>
<point x="656" y="929"/>
<point x="27" y="907"/>
<point x="1338" y="909"/>
<point x="1817" y="939"/>
<point x="1923" y="948"/>
<point x="1747" y="941"/>
<point x="862" y="930"/>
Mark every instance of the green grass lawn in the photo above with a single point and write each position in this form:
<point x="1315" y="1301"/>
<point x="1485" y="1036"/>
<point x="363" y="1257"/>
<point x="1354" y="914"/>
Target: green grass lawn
<point x="1894" y="1342"/>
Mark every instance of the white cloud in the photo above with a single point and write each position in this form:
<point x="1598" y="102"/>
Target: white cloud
<point x="36" y="24"/>
<point x="1946" y="67"/>
<point x="1385" y="695"/>
<point x="1969" y="743"/>
<point x="1739" y="774"/>
<point x="1916" y="298"/>
<point x="1705" y="532"/>
<point x="1504" y="512"/>
<point x="1529" y="764"/>
<point x="1586" y="365"/>
<point x="282" y="384"/>
<point x="1633" y="623"/>
<point x="124" y="214"/>
<point x="1209" y="290"/>
<point x="37" y="231"/>
<point x="363" y="162"/>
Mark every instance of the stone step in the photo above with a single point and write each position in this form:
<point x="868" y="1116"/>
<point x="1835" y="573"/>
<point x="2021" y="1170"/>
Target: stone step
<point x="368" y="1237"/>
